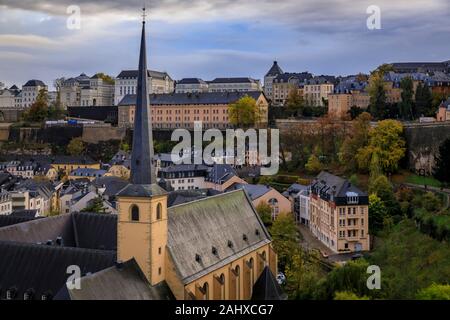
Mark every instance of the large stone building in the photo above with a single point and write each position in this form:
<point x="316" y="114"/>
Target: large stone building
<point x="284" y="83"/>
<point x="181" y="110"/>
<point x="316" y="91"/>
<point x="30" y="92"/>
<point x="274" y="71"/>
<point x="339" y="214"/>
<point x="346" y="95"/>
<point x="126" y="83"/>
<point x="234" y="85"/>
<point x="10" y="98"/>
<point x="84" y="91"/>
<point x="191" y="85"/>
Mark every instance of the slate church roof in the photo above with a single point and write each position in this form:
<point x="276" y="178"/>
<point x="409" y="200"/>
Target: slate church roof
<point x="227" y="222"/>
<point x="42" y="269"/>
<point x="123" y="281"/>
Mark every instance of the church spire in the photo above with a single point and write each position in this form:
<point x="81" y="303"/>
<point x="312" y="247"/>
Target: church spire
<point x="142" y="171"/>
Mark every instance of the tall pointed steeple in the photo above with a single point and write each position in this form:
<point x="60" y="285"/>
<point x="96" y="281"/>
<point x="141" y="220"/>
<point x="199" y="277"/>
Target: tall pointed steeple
<point x="142" y="171"/>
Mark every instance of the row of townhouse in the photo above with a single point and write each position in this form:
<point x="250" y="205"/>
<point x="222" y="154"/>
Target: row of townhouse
<point x="335" y="211"/>
<point x="50" y="167"/>
<point x="352" y="92"/>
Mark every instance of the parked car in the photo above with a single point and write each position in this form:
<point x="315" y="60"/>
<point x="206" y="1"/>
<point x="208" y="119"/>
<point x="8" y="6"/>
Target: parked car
<point x="281" y="278"/>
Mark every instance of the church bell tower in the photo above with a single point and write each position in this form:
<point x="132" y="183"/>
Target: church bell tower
<point x="142" y="205"/>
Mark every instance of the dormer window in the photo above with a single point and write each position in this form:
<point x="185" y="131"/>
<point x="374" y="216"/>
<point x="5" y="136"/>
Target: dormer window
<point x="352" y="198"/>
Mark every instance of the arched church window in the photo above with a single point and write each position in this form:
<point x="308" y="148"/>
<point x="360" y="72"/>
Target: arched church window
<point x="134" y="213"/>
<point x="159" y="211"/>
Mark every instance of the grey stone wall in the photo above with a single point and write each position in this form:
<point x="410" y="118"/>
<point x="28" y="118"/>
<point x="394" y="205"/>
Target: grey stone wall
<point x="423" y="142"/>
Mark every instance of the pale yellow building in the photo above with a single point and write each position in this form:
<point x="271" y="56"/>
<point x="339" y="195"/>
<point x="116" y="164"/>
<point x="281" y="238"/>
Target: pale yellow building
<point x="316" y="91"/>
<point x="339" y="214"/>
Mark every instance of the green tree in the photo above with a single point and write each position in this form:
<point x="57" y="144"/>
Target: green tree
<point x="352" y="277"/>
<point x="294" y="102"/>
<point x="424" y="100"/>
<point x="357" y="139"/>
<point x="431" y="202"/>
<point x="244" y="113"/>
<point x="435" y="292"/>
<point x="76" y="147"/>
<point x="96" y="206"/>
<point x="377" y="94"/>
<point x="354" y="112"/>
<point x="302" y="275"/>
<point x="106" y="78"/>
<point x="406" y="106"/>
<point x="38" y="111"/>
<point x="381" y="187"/>
<point x="377" y="214"/>
<point x="442" y="167"/>
<point x="265" y="212"/>
<point x="346" y="295"/>
<point x="285" y="238"/>
<point x="313" y="166"/>
<point x="385" y="142"/>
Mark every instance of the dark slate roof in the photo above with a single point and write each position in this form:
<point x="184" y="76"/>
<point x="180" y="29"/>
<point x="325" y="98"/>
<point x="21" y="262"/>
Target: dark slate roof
<point x="134" y="74"/>
<point x="196" y="227"/>
<point x="123" y="281"/>
<point x="34" y="83"/>
<point x="191" y="81"/>
<point x="220" y="173"/>
<point x="275" y="70"/>
<point x="295" y="189"/>
<point x="142" y="191"/>
<point x="301" y="77"/>
<point x="25" y="213"/>
<point x="233" y="80"/>
<point x="190" y="98"/>
<point x="43" y="268"/>
<point x="267" y="288"/>
<point x="329" y="186"/>
<point x="14" y="87"/>
<point x="183" y="196"/>
<point x="254" y="191"/>
<point x="112" y="185"/>
<point x="80" y="230"/>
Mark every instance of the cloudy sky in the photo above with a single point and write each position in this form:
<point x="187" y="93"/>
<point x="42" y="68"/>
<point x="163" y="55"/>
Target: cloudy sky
<point x="212" y="38"/>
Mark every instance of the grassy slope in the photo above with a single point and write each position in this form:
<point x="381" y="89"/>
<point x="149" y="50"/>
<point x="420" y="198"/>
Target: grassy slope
<point x="410" y="261"/>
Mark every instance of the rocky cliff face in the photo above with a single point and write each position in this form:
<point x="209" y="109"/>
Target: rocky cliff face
<point x="423" y="142"/>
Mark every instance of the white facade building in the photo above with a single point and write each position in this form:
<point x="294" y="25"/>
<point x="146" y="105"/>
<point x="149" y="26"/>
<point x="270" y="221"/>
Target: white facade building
<point x="30" y="92"/>
<point x="5" y="203"/>
<point x="191" y="85"/>
<point x="9" y="98"/>
<point x="84" y="91"/>
<point x="126" y="83"/>
<point x="234" y="85"/>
